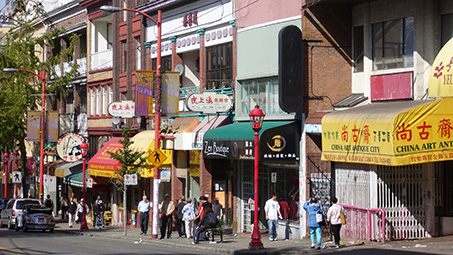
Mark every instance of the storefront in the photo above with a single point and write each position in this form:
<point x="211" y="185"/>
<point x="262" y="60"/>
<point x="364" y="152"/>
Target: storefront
<point x="230" y="150"/>
<point x="394" y="156"/>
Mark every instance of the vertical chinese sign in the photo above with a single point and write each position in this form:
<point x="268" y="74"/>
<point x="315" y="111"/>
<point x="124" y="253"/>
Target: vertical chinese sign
<point x="170" y="93"/>
<point x="144" y="93"/>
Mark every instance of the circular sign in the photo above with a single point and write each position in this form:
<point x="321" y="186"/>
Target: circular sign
<point x="68" y="147"/>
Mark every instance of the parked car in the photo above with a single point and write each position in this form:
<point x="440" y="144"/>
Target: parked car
<point x="13" y="209"/>
<point x="35" y="216"/>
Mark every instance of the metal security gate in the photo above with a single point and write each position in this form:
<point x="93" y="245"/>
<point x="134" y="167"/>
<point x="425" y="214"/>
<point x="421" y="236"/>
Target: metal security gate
<point x="320" y="180"/>
<point x="400" y="195"/>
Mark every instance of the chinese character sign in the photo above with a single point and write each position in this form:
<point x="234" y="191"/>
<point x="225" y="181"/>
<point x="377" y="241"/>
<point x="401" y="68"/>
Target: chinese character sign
<point x="441" y="76"/>
<point x="144" y="93"/>
<point x="393" y="136"/>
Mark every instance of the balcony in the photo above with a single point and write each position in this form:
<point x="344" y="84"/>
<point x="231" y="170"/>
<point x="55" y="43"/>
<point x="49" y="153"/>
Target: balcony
<point x="102" y="60"/>
<point x="81" y="70"/>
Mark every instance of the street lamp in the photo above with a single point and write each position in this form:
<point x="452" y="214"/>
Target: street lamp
<point x="42" y="77"/>
<point x="106" y="10"/>
<point x="84" y="149"/>
<point x="5" y="160"/>
<point x="256" y="118"/>
<point x="16" y="160"/>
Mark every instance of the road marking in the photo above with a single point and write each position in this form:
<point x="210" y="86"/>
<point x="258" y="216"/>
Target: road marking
<point x="11" y="250"/>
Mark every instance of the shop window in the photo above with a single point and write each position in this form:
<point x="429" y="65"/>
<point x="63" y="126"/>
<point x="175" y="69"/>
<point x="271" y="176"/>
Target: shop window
<point x="219" y="66"/>
<point x="358" y="49"/>
<point x="262" y="92"/>
<point x="393" y="44"/>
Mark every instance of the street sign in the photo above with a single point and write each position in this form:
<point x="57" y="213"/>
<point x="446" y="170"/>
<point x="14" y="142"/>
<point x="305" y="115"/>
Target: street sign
<point x="134" y="179"/>
<point x="17" y="177"/>
<point x="89" y="182"/>
<point x="157" y="157"/>
<point x="49" y="180"/>
<point x="130" y="179"/>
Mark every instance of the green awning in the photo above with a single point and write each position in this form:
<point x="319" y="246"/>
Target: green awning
<point x="240" y="130"/>
<point x="75" y="179"/>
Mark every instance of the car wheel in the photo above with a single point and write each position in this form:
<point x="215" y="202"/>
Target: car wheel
<point x="10" y="225"/>
<point x="16" y="227"/>
<point x="1" y="224"/>
<point x="43" y="230"/>
<point x="25" y="229"/>
<point x="51" y="230"/>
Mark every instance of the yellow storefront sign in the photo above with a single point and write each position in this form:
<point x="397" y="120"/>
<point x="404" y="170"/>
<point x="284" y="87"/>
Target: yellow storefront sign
<point x="441" y="77"/>
<point x="399" y="133"/>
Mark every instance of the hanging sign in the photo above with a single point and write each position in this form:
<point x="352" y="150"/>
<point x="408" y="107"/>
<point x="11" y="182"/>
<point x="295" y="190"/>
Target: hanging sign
<point x="68" y="147"/>
<point x="209" y="102"/>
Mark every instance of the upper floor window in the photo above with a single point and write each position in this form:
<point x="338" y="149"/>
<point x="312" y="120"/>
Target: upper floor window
<point x="393" y="44"/>
<point x="262" y="92"/>
<point x="219" y="66"/>
<point x="164" y="66"/>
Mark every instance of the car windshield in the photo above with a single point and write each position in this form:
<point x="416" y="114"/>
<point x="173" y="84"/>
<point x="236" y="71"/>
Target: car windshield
<point x="20" y="204"/>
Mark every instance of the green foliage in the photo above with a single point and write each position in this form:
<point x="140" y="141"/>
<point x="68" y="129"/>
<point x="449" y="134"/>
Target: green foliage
<point x="131" y="161"/>
<point x="23" y="48"/>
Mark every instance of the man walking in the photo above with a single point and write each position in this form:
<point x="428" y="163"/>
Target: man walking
<point x="272" y="209"/>
<point x="72" y="209"/>
<point x="143" y="208"/>
<point x="166" y="208"/>
<point x="179" y="214"/>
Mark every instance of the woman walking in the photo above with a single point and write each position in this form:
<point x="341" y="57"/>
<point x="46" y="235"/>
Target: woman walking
<point x="313" y="208"/>
<point x="188" y="217"/>
<point x="334" y="217"/>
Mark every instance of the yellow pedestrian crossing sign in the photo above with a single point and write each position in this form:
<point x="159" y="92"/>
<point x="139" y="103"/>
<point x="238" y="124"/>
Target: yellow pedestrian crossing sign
<point x="157" y="157"/>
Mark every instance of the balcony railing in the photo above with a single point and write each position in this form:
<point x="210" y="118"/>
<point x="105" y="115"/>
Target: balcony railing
<point x="102" y="59"/>
<point x="81" y="70"/>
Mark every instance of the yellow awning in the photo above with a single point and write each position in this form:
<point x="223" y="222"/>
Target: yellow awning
<point x="397" y="133"/>
<point x="144" y="141"/>
<point x="441" y="77"/>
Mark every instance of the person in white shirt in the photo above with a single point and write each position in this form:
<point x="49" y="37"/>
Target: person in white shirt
<point x="272" y="209"/>
<point x="143" y="208"/>
<point x="333" y="216"/>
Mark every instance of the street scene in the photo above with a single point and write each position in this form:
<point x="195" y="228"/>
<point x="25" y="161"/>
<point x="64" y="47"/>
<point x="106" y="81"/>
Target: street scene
<point x="226" y="127"/>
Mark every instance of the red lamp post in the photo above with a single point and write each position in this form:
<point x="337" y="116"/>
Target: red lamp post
<point x="42" y="77"/>
<point x="111" y="9"/>
<point x="256" y="118"/>
<point x="5" y="161"/>
<point x="84" y="149"/>
<point x="16" y="160"/>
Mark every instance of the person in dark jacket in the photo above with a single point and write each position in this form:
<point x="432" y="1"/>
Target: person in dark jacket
<point x="179" y="222"/>
<point x="209" y="220"/>
<point x="72" y="210"/>
<point x="312" y="207"/>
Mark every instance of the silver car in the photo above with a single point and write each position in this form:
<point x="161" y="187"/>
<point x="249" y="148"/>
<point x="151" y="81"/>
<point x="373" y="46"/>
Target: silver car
<point x="35" y="217"/>
<point x="13" y="209"/>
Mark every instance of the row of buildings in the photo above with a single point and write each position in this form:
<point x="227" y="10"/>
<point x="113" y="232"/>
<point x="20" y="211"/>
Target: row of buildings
<point x="369" y="130"/>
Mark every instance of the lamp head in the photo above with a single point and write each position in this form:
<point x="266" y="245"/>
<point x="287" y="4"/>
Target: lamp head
<point x="84" y="149"/>
<point x="257" y="118"/>
<point x="107" y="10"/>
<point x="5" y="157"/>
<point x="10" y="70"/>
<point x="16" y="155"/>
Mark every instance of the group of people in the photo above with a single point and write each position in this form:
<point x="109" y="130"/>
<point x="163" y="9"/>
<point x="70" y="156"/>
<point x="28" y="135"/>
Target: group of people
<point x="74" y="211"/>
<point x="190" y="222"/>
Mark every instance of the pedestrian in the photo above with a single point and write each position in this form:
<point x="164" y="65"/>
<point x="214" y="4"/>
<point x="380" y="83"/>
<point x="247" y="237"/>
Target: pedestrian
<point x="64" y="205"/>
<point x="272" y="210"/>
<point x="334" y="217"/>
<point x="72" y="209"/>
<point x="189" y="217"/>
<point x="80" y="211"/>
<point x="179" y="217"/>
<point x="144" y="207"/>
<point x="101" y="205"/>
<point x="48" y="203"/>
<point x="209" y="220"/>
<point x="217" y="208"/>
<point x="251" y="203"/>
<point x="203" y="199"/>
<point x="167" y="209"/>
<point x="313" y="208"/>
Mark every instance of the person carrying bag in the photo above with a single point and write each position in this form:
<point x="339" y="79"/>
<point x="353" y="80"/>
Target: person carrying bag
<point x="336" y="217"/>
<point x="312" y="208"/>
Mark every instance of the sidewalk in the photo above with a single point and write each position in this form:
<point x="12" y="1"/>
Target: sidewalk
<point x="238" y="244"/>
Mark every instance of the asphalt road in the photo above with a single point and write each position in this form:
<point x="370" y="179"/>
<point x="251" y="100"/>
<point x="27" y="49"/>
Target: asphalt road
<point x="37" y="242"/>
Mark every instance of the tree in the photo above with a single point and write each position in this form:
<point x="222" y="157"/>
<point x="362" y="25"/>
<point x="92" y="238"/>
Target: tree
<point x="21" y="48"/>
<point x="131" y="161"/>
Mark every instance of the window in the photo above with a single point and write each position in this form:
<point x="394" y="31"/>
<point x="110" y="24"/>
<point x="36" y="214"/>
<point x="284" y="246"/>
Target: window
<point x="98" y="102"/>
<point x="110" y="94"/>
<point x="165" y="65"/>
<point x="219" y="66"/>
<point x="262" y="92"/>
<point x="393" y="44"/>
<point x="109" y="36"/>
<point x="124" y="57"/>
<point x="83" y="98"/>
<point x="83" y="45"/>
<point x="138" y="56"/>
<point x="92" y="101"/>
<point x="358" y="49"/>
<point x="104" y="100"/>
